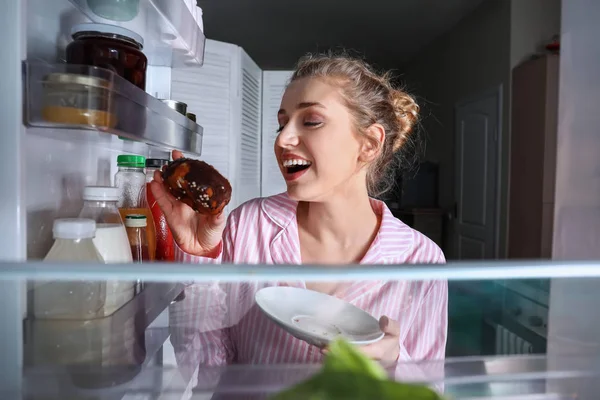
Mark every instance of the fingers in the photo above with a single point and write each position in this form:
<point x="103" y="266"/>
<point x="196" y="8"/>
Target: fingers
<point x="216" y="223"/>
<point x="157" y="176"/>
<point x="218" y="220"/>
<point x="164" y="199"/>
<point x="177" y="154"/>
<point x="389" y="326"/>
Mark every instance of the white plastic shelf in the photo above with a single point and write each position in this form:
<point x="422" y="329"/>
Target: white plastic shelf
<point x="171" y="35"/>
<point x="129" y="112"/>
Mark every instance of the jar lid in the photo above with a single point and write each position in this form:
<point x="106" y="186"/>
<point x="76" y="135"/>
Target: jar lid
<point x="101" y="193"/>
<point x="135" y="221"/>
<point x="74" y="228"/>
<point x="126" y="160"/>
<point x="88" y="29"/>
<point x="178" y="106"/>
<point x="76" y="79"/>
<point x="156" y="162"/>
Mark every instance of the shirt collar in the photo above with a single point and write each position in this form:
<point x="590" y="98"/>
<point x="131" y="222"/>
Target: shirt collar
<point x="393" y="239"/>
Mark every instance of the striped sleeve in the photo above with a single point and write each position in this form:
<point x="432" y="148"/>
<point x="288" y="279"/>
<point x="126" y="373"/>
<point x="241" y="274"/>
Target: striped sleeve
<point x="426" y="339"/>
<point x="200" y="324"/>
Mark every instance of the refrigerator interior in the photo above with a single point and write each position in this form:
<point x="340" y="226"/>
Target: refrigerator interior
<point x="51" y="165"/>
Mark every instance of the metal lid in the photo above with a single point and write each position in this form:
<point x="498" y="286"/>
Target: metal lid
<point x="74" y="228"/>
<point x="101" y="193"/>
<point x="135" y="221"/>
<point x="156" y="162"/>
<point x="116" y="32"/>
<point x="178" y="106"/>
<point x="76" y="79"/>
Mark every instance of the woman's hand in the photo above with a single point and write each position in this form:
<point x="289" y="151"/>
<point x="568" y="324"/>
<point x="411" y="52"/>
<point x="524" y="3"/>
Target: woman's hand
<point x="195" y="233"/>
<point x="387" y="350"/>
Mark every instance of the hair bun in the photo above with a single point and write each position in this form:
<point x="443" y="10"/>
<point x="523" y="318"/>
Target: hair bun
<point x="407" y="113"/>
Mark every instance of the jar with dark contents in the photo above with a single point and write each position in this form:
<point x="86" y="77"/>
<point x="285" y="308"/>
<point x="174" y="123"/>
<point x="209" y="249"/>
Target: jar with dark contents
<point x="111" y="47"/>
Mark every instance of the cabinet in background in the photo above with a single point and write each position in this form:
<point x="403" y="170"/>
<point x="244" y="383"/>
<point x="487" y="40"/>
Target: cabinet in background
<point x="533" y="158"/>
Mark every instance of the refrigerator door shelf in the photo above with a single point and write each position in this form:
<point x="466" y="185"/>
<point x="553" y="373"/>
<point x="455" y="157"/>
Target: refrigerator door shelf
<point x="172" y="36"/>
<point x="63" y="97"/>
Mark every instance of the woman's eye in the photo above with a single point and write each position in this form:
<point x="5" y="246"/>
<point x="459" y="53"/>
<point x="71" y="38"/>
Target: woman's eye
<point x="310" y="123"/>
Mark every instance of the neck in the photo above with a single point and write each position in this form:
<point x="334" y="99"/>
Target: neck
<point x="343" y="218"/>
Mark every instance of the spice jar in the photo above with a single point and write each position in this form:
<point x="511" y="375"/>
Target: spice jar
<point x="136" y="232"/>
<point x="111" y="47"/>
<point x="131" y="181"/>
<point x="78" y="99"/>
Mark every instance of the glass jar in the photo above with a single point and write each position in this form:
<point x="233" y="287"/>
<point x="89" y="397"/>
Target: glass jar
<point x="73" y="242"/>
<point x="100" y="205"/>
<point x="131" y="181"/>
<point x="112" y="47"/>
<point x="136" y="232"/>
<point x="165" y="245"/>
<point x="78" y="99"/>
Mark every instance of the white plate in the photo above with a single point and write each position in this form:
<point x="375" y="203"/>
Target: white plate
<point x="317" y="318"/>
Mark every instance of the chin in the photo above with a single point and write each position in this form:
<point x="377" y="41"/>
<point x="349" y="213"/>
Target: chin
<point x="302" y="193"/>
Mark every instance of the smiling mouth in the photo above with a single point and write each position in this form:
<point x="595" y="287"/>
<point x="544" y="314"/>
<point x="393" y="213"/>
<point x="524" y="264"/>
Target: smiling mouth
<point x="295" y="166"/>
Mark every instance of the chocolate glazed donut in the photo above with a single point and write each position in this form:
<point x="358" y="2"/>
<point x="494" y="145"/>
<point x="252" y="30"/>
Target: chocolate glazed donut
<point x="198" y="185"/>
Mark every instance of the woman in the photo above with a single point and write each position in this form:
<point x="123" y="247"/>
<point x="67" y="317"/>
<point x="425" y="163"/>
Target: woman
<point x="341" y="127"/>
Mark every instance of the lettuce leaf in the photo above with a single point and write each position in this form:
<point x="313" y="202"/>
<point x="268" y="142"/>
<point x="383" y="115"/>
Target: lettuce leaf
<point x="347" y="374"/>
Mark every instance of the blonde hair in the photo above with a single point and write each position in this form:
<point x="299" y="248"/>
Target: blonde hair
<point x="371" y="98"/>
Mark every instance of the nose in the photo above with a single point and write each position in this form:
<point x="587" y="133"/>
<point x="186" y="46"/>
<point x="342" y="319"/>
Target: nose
<point x="287" y="138"/>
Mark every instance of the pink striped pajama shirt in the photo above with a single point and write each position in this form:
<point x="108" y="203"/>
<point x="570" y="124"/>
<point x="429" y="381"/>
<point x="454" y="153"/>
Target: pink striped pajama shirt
<point x="220" y="323"/>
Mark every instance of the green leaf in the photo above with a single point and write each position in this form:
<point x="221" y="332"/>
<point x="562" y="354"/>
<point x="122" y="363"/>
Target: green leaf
<point x="347" y="374"/>
<point x="344" y="357"/>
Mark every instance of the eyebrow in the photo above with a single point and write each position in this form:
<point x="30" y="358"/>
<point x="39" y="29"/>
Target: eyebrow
<point x="303" y="105"/>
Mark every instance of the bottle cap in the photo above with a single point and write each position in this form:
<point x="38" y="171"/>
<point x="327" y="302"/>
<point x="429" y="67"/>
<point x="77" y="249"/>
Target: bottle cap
<point x="135" y="221"/>
<point x="126" y="160"/>
<point x="156" y="162"/>
<point x="101" y="193"/>
<point x="74" y="228"/>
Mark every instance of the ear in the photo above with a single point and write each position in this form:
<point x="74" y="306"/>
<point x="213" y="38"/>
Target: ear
<point x="373" y="143"/>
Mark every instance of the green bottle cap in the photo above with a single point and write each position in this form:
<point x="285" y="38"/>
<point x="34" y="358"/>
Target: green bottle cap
<point x="126" y="160"/>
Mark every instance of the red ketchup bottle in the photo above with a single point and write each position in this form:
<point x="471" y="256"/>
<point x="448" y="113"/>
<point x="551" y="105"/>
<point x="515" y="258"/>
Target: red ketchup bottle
<point x="165" y="245"/>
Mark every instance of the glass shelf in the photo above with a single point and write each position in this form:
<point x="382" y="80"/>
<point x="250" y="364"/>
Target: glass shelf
<point x="171" y="35"/>
<point x="116" y="108"/>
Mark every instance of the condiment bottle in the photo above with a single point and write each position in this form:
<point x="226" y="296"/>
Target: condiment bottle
<point x="73" y="242"/>
<point x="165" y="245"/>
<point x="111" y="47"/>
<point x="131" y="181"/>
<point x="100" y="204"/>
<point x="136" y="232"/>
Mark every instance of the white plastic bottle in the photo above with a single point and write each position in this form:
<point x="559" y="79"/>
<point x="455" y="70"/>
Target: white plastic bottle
<point x="73" y="242"/>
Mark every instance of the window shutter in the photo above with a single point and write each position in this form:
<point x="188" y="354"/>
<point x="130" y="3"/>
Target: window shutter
<point x="249" y="136"/>
<point x="274" y="84"/>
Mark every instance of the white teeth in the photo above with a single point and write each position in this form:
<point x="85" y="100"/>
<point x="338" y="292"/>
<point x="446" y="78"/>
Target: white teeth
<point x="290" y="163"/>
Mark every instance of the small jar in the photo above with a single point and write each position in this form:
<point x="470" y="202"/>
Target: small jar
<point x="138" y="239"/>
<point x="111" y="47"/>
<point x="130" y="179"/>
<point x="178" y="106"/>
<point x="78" y="100"/>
